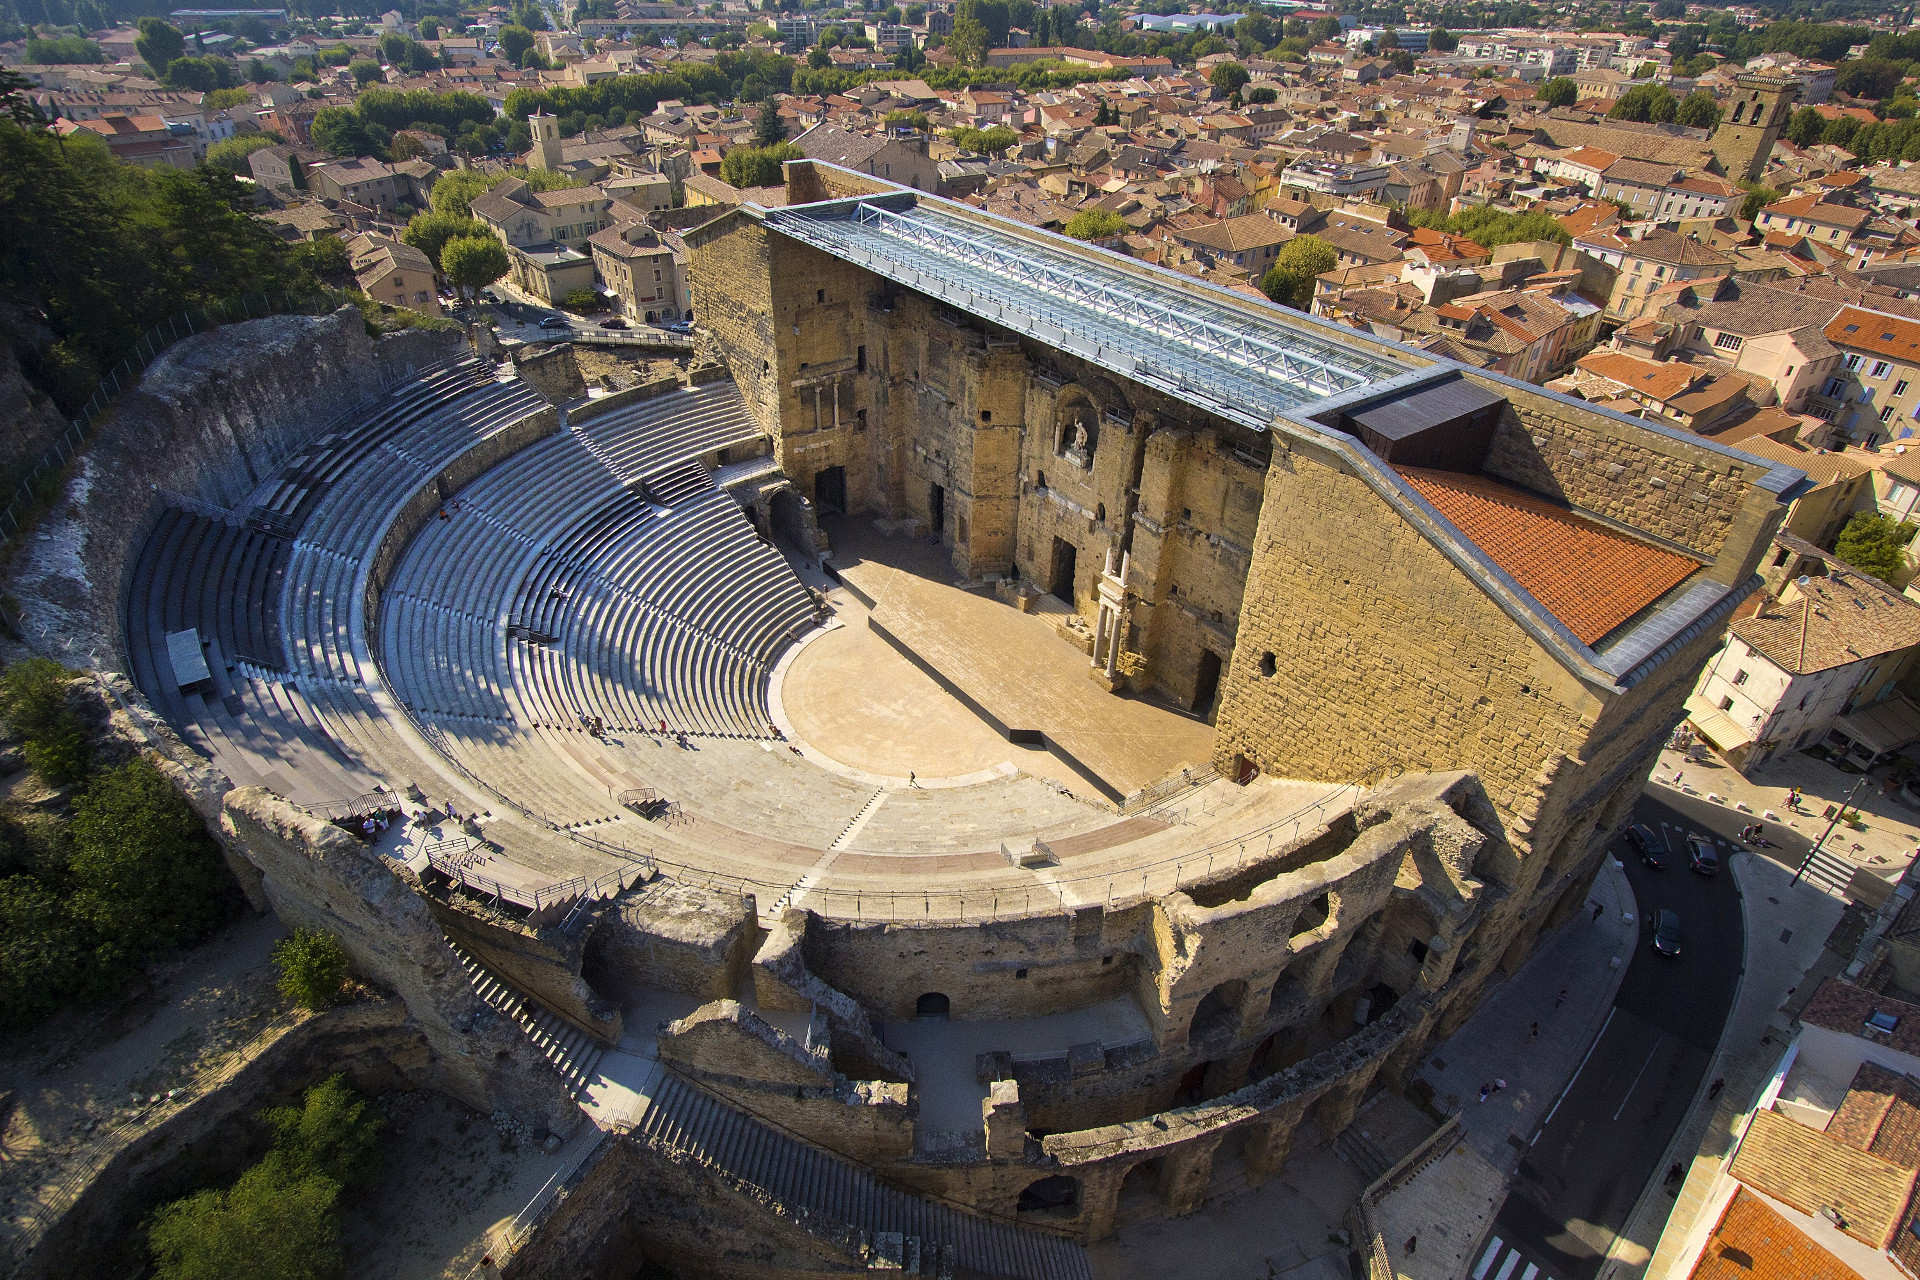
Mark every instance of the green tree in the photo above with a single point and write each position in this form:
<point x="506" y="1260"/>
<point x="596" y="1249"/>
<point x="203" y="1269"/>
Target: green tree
<point x="430" y="28"/>
<point x="64" y="50"/>
<point x="366" y="71"/>
<point x="984" y="141"/>
<point x="472" y="262"/>
<point x="231" y="154"/>
<point x="768" y="129"/>
<point x="146" y="876"/>
<point x="313" y="967"/>
<point x="326" y="257"/>
<point x="340" y="131"/>
<point x="221" y="99"/>
<point x="1697" y="110"/>
<point x="204" y="74"/>
<point x="757" y="166"/>
<point x="158" y="44"/>
<point x="514" y="42"/>
<point x="1839" y="132"/>
<point x="968" y="43"/>
<point x="1558" y="92"/>
<point x="1261" y="94"/>
<point x="1804" y="129"/>
<point x="263" y="1227"/>
<point x="429" y="232"/>
<point x="1869" y="77"/>
<point x="1289" y="280"/>
<point x="1757" y="198"/>
<point x="42" y="955"/>
<point x="1228" y="77"/>
<point x="1643" y="103"/>
<point x="34" y="701"/>
<point x="1441" y="40"/>
<point x="1490" y="228"/>
<point x="1095" y="224"/>
<point x="454" y="191"/>
<point x="1874" y="544"/>
<point x="334" y="1133"/>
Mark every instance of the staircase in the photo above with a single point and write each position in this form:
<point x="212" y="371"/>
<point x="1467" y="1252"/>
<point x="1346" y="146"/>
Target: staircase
<point x="839" y="1201"/>
<point x="1367" y="1159"/>
<point x="1828" y="870"/>
<point x="572" y="1051"/>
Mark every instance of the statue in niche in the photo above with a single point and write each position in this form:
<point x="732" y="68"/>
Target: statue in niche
<point x="1079" y="430"/>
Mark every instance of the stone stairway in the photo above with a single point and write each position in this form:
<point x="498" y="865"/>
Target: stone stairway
<point x="1367" y="1159"/>
<point x="837" y="1200"/>
<point x="572" y="1051"/>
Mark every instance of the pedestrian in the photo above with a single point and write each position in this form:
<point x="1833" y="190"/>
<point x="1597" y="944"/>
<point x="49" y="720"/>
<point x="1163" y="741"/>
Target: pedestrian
<point x="1678" y="777"/>
<point x="1713" y="1090"/>
<point x="1598" y="911"/>
<point x="1534" y="1034"/>
<point x="1498" y="1084"/>
<point x="1674" y="1174"/>
<point x="1561" y="998"/>
<point x="1411" y="1242"/>
<point x="1486" y="1091"/>
<point x="663" y="728"/>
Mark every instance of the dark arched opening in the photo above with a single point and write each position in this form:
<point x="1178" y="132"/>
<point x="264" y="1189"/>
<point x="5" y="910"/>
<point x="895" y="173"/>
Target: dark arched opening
<point x="932" y="1005"/>
<point x="1218" y="1016"/>
<point x="1051" y="1195"/>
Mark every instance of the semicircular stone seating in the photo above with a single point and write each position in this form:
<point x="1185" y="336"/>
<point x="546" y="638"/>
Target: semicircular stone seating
<point x="597" y="575"/>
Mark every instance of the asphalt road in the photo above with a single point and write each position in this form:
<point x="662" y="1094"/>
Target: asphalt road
<point x="1578" y="1183"/>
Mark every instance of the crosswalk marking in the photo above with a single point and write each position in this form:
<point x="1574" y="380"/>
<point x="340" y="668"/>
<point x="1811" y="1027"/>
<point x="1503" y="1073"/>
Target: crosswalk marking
<point x="1510" y="1260"/>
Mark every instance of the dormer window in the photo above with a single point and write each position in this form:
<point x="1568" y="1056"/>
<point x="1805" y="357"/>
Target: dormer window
<point x="1883" y="1022"/>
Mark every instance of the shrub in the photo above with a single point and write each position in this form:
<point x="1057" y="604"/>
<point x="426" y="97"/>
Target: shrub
<point x="313" y="967"/>
<point x="1290" y="279"/>
<point x="757" y="166"/>
<point x="1095" y="224"/>
<point x="277" y="1222"/>
<point x="146" y="875"/>
<point x="33" y="701"/>
<point x="1874" y="544"/>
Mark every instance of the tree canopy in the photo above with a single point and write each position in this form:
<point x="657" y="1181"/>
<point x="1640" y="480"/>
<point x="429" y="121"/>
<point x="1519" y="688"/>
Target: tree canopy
<point x="1289" y="280"/>
<point x="472" y="262"/>
<point x="1875" y="544"/>
<point x="1095" y="224"/>
<point x="1490" y="228"/>
<point x="1643" y="103"/>
<point x="757" y="166"/>
<point x="1558" y="92"/>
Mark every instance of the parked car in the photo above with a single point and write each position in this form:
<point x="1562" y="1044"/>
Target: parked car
<point x="1641" y="840"/>
<point x="556" y="322"/>
<point x="680" y="326"/>
<point x="1702" y="856"/>
<point x="615" y="323"/>
<point x="1666" y="932"/>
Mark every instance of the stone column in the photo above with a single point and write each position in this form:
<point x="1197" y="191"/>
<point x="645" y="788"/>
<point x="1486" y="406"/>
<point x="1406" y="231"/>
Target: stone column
<point x="1186" y="1172"/>
<point x="1270" y="1142"/>
<point x="1006" y="1121"/>
<point x="1099" y="1199"/>
<point x="1334" y="1111"/>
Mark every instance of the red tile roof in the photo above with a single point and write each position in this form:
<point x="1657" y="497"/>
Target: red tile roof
<point x="1588" y="576"/>
<point x="1752" y="1242"/>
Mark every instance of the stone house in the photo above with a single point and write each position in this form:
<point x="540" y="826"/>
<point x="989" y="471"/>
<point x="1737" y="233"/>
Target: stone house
<point x="1810" y="663"/>
<point x="524" y="218"/>
<point x="363" y="181"/>
<point x="902" y="159"/>
<point x="388" y="271"/>
<point x="642" y="270"/>
<point x="1775" y="334"/>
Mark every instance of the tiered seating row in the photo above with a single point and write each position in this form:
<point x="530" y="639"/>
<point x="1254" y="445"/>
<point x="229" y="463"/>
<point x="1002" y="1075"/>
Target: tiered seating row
<point x="651" y="436"/>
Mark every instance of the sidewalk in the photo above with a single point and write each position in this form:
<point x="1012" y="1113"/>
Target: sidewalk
<point x="1449" y="1206"/>
<point x="1786" y="926"/>
<point x="1885" y="847"/>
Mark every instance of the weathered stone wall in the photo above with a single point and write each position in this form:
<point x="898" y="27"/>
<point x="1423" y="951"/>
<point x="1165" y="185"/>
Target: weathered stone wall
<point x="553" y="371"/>
<point x="666" y="936"/>
<point x="541" y="962"/>
<point x="731" y="281"/>
<point x="317" y="875"/>
<point x="760" y="1069"/>
<point x="212" y="417"/>
<point x="1385" y="658"/>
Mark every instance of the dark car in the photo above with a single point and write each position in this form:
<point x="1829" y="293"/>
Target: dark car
<point x="1702" y="856"/>
<point x="1666" y="932"/>
<point x="615" y="323"/>
<point x="1641" y="840"/>
<point x="556" y="322"/>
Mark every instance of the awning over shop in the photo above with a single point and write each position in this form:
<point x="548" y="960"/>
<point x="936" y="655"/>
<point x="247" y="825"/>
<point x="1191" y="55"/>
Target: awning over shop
<point x="1716" y="726"/>
<point x="1882" y="727"/>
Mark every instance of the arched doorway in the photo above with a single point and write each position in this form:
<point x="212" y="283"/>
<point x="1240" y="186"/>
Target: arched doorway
<point x="1053" y="1195"/>
<point x="932" y="1005"/>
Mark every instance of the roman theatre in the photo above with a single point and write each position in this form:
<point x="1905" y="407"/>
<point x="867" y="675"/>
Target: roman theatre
<point x="1007" y="741"/>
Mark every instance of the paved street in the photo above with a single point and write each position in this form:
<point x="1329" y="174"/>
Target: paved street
<point x="1579" y="1181"/>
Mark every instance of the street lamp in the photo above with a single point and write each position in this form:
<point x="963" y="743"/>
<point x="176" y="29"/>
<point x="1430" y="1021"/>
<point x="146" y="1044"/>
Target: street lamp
<point x="1837" y="815"/>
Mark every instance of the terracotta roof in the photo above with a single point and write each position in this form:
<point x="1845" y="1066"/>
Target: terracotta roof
<point x="1590" y="157"/>
<point x="1883" y="335"/>
<point x="1819" y="464"/>
<point x="1650" y="378"/>
<point x="1812" y="209"/>
<point x="1752" y="1242"/>
<point x="1881" y="1114"/>
<point x="1810" y="1171"/>
<point x="1588" y="576"/>
<point x="1840" y="1006"/>
<point x="1838" y="618"/>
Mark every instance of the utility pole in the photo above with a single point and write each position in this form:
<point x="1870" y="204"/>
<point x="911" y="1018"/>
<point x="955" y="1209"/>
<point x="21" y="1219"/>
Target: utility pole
<point x="1837" y="814"/>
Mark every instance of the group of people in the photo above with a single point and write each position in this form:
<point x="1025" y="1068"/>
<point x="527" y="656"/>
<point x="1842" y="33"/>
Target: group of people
<point x="368" y="826"/>
<point x="1753" y="833"/>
